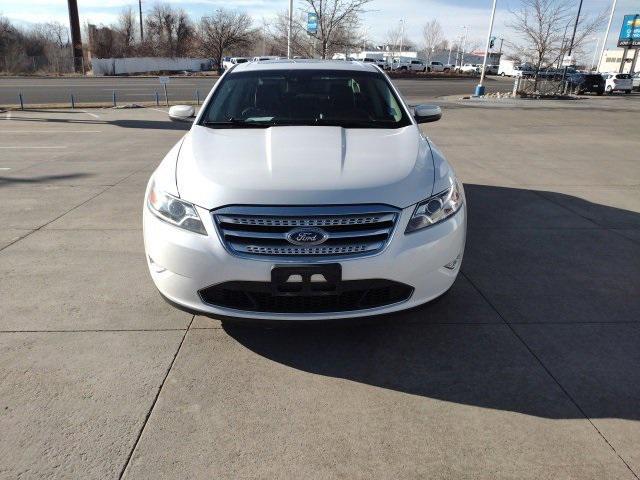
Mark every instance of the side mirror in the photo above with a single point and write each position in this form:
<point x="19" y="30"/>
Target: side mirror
<point x="427" y="113"/>
<point x="182" y="113"/>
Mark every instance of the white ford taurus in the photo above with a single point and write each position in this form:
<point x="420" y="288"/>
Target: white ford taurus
<point x="304" y="190"/>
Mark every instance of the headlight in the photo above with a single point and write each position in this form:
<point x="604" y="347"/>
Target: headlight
<point x="174" y="211"/>
<point x="437" y="208"/>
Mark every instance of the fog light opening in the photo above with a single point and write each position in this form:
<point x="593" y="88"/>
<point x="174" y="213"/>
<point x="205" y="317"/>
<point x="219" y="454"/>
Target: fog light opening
<point x="453" y="263"/>
<point x="156" y="267"/>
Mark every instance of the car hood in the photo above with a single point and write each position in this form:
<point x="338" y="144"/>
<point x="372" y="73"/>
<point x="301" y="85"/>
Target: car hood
<point x="301" y="165"/>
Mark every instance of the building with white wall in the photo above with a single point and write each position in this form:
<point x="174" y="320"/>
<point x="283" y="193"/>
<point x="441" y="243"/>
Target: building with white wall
<point x="612" y="58"/>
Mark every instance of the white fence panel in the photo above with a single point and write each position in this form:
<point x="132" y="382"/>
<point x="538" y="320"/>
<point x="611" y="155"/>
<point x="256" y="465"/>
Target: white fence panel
<point x="119" y="66"/>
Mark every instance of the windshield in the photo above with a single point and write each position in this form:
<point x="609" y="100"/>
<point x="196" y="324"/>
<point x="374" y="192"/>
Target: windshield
<point x="350" y="99"/>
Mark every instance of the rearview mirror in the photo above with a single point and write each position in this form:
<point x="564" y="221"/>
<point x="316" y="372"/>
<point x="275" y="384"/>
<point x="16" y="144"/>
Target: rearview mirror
<point x="182" y="113"/>
<point x="427" y="113"/>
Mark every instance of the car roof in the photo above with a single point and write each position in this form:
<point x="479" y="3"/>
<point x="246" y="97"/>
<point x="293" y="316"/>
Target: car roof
<point x="305" y="64"/>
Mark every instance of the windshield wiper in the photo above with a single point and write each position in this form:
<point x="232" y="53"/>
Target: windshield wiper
<point x="356" y="124"/>
<point x="233" y="123"/>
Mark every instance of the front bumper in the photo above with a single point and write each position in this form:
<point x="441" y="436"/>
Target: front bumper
<point x="182" y="263"/>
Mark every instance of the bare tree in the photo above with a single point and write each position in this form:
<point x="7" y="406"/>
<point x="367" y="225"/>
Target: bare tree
<point x="394" y="38"/>
<point x="538" y="26"/>
<point x="337" y="22"/>
<point x="302" y="45"/>
<point x="169" y="30"/>
<point x="223" y="32"/>
<point x="126" y="28"/>
<point x="432" y="36"/>
<point x="12" y="53"/>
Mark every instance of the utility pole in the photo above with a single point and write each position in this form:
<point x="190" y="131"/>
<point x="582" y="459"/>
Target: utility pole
<point x="449" y="57"/>
<point x="606" y="34"/>
<point x="76" y="39"/>
<point x="573" y="37"/>
<point x="401" y="36"/>
<point x="480" y="87"/>
<point x="140" y="12"/>
<point x="289" y="28"/>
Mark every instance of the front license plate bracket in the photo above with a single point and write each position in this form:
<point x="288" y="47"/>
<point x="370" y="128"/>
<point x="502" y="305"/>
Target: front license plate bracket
<point x="306" y="279"/>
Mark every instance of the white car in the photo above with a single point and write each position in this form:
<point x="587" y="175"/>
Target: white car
<point x="227" y="64"/>
<point x="470" y="68"/>
<point x="304" y="191"/>
<point x="265" y="58"/>
<point x="618" y="82"/>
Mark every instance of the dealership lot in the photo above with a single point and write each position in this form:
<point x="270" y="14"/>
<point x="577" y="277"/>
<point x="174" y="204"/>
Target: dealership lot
<point x="528" y="368"/>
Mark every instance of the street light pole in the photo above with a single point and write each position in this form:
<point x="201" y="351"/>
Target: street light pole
<point x="606" y="34"/>
<point x="401" y="36"/>
<point x="480" y="87"/>
<point x="290" y="27"/>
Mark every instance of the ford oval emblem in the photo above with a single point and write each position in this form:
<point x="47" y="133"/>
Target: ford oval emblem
<point x="307" y="236"/>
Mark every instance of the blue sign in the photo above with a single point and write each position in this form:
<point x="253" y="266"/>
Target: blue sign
<point x="312" y="23"/>
<point x="630" y="32"/>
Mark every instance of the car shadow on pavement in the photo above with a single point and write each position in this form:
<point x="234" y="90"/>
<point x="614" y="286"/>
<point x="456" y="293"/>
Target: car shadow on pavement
<point x="543" y="320"/>
<point x="144" y="124"/>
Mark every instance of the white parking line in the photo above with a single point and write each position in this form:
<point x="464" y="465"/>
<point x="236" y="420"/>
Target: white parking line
<point x="158" y="110"/>
<point x="17" y="147"/>
<point x="5" y="168"/>
<point x="91" y="114"/>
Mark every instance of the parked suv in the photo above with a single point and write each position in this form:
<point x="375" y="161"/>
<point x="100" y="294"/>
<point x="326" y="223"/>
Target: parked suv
<point x="586" y="82"/>
<point x="304" y="190"/>
<point x="618" y="82"/>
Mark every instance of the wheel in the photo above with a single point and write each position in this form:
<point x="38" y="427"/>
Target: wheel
<point x="627" y="92"/>
<point x="403" y="68"/>
<point x="502" y="74"/>
<point x="609" y="90"/>
<point x="447" y="70"/>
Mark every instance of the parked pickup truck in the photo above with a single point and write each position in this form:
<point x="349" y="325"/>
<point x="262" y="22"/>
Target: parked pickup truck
<point x="437" y="67"/>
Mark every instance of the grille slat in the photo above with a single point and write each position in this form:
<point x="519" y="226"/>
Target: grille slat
<point x="350" y="230"/>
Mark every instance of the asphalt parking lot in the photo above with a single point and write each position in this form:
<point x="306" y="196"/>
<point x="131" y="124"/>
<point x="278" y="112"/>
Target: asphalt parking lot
<point x="529" y="368"/>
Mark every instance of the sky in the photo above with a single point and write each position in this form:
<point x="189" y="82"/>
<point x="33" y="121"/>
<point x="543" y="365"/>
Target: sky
<point x="382" y="14"/>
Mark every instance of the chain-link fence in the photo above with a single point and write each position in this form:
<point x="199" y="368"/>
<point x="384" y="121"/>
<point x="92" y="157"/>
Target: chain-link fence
<point x="543" y="87"/>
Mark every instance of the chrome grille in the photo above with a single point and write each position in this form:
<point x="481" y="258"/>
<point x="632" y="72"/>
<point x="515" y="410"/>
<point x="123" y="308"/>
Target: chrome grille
<point x="354" y="230"/>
